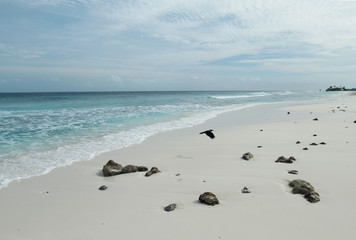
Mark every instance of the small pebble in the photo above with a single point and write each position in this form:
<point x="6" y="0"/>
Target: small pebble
<point x="245" y="190"/>
<point x="152" y="171"/>
<point x="298" y="142"/>
<point x="305" y="148"/>
<point x="293" y="172"/>
<point x="103" y="187"/>
<point x="170" y="207"/>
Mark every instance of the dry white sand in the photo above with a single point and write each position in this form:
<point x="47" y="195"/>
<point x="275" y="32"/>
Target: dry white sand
<point x="66" y="203"/>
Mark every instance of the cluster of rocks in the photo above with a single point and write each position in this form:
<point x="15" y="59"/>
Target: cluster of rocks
<point x="305" y="188"/>
<point x="312" y="144"/>
<point x="283" y="159"/>
<point x="207" y="198"/>
<point x="112" y="168"/>
<point x="299" y="186"/>
<point x="339" y="108"/>
<point x="315" y="144"/>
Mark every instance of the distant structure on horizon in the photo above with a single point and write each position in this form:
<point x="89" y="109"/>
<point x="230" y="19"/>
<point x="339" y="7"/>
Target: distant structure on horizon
<point x="334" y="88"/>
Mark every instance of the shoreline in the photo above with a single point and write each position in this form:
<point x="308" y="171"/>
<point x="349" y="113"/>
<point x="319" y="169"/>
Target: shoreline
<point x="57" y="158"/>
<point x="66" y="203"/>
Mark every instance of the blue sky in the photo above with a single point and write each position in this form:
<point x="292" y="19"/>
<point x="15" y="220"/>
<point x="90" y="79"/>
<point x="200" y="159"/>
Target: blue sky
<point x="124" y="45"/>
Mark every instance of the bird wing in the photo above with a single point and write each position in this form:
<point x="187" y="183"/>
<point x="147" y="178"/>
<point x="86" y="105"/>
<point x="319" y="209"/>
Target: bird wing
<point x="210" y="134"/>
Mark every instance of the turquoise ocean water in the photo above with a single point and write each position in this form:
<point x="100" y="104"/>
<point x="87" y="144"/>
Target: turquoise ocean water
<point x="42" y="131"/>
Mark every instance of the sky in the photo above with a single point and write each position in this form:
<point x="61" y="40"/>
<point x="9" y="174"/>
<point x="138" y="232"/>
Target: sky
<point x="142" y="45"/>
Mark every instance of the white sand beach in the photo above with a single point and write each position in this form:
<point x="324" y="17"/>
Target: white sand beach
<point x="66" y="203"/>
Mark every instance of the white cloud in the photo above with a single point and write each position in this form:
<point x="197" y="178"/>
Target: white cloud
<point x="11" y="51"/>
<point x="216" y="23"/>
<point x="205" y="31"/>
<point x="56" y="3"/>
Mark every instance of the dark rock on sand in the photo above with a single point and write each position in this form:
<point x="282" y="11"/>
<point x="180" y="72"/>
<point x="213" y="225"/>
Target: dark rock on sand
<point x="298" y="142"/>
<point x="259" y="146"/>
<point x="312" y="197"/>
<point x="170" y="207"/>
<point x="129" y="169"/>
<point x="103" y="187"/>
<point x="301" y="187"/>
<point x="152" y="171"/>
<point x="208" y="198"/>
<point x="247" y="156"/>
<point x="314" y="135"/>
<point x="112" y="168"/>
<point x="315" y="119"/>
<point x="245" y="190"/>
<point x="313" y="144"/>
<point x="293" y="172"/>
<point x="142" y="168"/>
<point x="282" y="159"/>
<point x="305" y="148"/>
<point x="322" y="143"/>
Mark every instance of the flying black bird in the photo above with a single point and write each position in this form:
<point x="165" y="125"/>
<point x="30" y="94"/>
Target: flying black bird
<point x="209" y="133"/>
